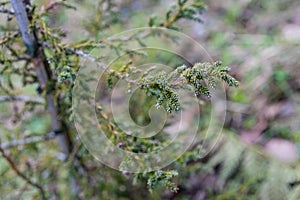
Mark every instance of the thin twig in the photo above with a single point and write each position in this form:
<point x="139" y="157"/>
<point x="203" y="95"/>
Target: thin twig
<point x="99" y="64"/>
<point x="86" y="56"/>
<point x="6" y="11"/>
<point x="15" y="54"/>
<point x="175" y="18"/>
<point x="25" y="99"/>
<point x="55" y="4"/>
<point x="51" y="6"/>
<point x="20" y="174"/>
<point x="5" y="39"/>
<point x="28" y="140"/>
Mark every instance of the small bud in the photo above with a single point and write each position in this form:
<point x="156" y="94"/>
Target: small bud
<point x="219" y="63"/>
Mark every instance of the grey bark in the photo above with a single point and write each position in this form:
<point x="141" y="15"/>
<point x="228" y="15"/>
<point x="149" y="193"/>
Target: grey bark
<point x="43" y="73"/>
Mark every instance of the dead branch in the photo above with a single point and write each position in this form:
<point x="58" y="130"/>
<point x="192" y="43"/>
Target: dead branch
<point x="28" y="140"/>
<point x="20" y="174"/>
<point x="25" y="99"/>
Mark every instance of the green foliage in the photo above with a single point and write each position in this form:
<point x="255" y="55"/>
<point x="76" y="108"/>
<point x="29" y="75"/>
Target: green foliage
<point x="248" y="173"/>
<point x="64" y="59"/>
<point x="201" y="77"/>
<point x="184" y="9"/>
<point x="242" y="171"/>
<point x="160" y="87"/>
<point x="102" y="16"/>
<point x="159" y="178"/>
